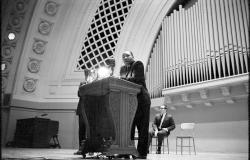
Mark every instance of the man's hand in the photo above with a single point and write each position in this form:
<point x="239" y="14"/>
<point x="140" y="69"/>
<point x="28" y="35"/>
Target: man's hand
<point x="165" y="129"/>
<point x="82" y="83"/>
<point x="156" y="132"/>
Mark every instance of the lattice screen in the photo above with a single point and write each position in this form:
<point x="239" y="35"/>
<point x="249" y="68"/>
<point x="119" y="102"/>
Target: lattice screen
<point x="101" y="38"/>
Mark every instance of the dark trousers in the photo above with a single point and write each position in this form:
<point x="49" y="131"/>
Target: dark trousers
<point x="160" y="135"/>
<point x="82" y="130"/>
<point x="141" y="121"/>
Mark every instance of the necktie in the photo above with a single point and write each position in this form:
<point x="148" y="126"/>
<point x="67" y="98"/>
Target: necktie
<point x="163" y="116"/>
<point x="127" y="71"/>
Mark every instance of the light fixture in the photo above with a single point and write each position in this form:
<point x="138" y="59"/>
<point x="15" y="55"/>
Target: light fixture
<point x="3" y="66"/>
<point x="111" y="65"/>
<point x="11" y="36"/>
<point x="92" y="76"/>
<point x="103" y="72"/>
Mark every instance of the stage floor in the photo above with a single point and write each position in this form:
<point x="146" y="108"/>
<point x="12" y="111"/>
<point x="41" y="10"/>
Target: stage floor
<point x="67" y="154"/>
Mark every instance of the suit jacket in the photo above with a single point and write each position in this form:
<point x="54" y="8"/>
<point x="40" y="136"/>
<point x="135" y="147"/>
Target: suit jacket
<point x="80" y="102"/>
<point x="168" y="122"/>
<point x="135" y="73"/>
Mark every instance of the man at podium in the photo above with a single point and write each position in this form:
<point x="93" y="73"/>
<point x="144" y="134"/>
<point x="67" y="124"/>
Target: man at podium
<point x="133" y="71"/>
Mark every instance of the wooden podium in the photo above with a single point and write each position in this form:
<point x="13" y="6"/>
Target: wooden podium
<point x="35" y="132"/>
<point x="109" y="106"/>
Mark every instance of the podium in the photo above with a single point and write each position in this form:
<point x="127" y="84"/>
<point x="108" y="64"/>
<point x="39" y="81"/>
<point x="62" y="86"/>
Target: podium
<point x="109" y="107"/>
<point x="35" y="132"/>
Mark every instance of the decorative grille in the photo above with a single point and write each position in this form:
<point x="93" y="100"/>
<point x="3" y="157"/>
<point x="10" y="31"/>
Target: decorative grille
<point x="101" y="38"/>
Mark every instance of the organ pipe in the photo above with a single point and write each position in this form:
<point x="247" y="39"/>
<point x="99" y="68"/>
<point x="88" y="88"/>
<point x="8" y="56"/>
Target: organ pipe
<point x="209" y="40"/>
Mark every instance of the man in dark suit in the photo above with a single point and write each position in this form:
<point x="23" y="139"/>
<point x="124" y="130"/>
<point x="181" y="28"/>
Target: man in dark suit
<point x="162" y="126"/>
<point x="82" y="127"/>
<point x="133" y="71"/>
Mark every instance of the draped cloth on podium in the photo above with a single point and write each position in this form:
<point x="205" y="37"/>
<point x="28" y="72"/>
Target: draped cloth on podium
<point x="110" y="105"/>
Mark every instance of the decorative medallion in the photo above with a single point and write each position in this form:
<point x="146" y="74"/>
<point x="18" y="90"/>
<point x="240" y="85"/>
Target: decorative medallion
<point x="4" y="82"/>
<point x="5" y="65"/>
<point x="45" y="27"/>
<point x="29" y="84"/>
<point x="34" y="65"/>
<point x="39" y="46"/>
<point x="20" y="6"/>
<point x="6" y="52"/>
<point x="51" y="8"/>
<point x="16" y="21"/>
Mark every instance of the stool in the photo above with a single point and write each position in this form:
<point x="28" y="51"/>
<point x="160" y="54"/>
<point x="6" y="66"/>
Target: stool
<point x="182" y="138"/>
<point x="186" y="133"/>
<point x="56" y="142"/>
<point x="156" y="144"/>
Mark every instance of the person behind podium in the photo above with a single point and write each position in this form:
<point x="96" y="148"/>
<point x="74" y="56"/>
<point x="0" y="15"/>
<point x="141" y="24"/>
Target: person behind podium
<point x="162" y="126"/>
<point x="81" y="122"/>
<point x="133" y="71"/>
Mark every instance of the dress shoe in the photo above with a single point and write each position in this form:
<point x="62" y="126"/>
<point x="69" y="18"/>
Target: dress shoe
<point x="141" y="157"/>
<point x="158" y="152"/>
<point x="79" y="152"/>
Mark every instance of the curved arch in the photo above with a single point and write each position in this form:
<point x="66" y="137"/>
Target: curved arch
<point x="141" y="28"/>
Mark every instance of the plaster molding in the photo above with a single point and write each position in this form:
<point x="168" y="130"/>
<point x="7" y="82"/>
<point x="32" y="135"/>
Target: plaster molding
<point x="4" y="82"/>
<point x="45" y="27"/>
<point x="184" y="97"/>
<point x="203" y="94"/>
<point x="6" y="70"/>
<point x="209" y="104"/>
<point x="215" y="83"/>
<point x="230" y="101"/>
<point x="78" y="19"/>
<point x="225" y="91"/>
<point x="29" y="84"/>
<point x="141" y="28"/>
<point x="15" y="20"/>
<point x="33" y="65"/>
<point x="51" y="8"/>
<point x="39" y="46"/>
<point x="7" y="52"/>
<point x="247" y="87"/>
<point x="189" y="106"/>
<point x="21" y="6"/>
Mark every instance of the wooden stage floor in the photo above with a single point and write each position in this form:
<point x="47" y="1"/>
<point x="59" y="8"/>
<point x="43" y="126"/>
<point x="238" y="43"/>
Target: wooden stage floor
<point x="67" y="154"/>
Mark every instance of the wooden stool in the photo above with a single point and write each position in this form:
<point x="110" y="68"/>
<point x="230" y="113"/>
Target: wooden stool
<point x="162" y="146"/>
<point x="182" y="145"/>
<point x="187" y="133"/>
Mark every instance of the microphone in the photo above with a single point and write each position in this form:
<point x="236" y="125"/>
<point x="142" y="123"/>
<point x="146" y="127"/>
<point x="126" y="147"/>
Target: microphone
<point x="45" y="114"/>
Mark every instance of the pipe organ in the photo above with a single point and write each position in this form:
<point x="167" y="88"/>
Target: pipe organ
<point x="206" y="41"/>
